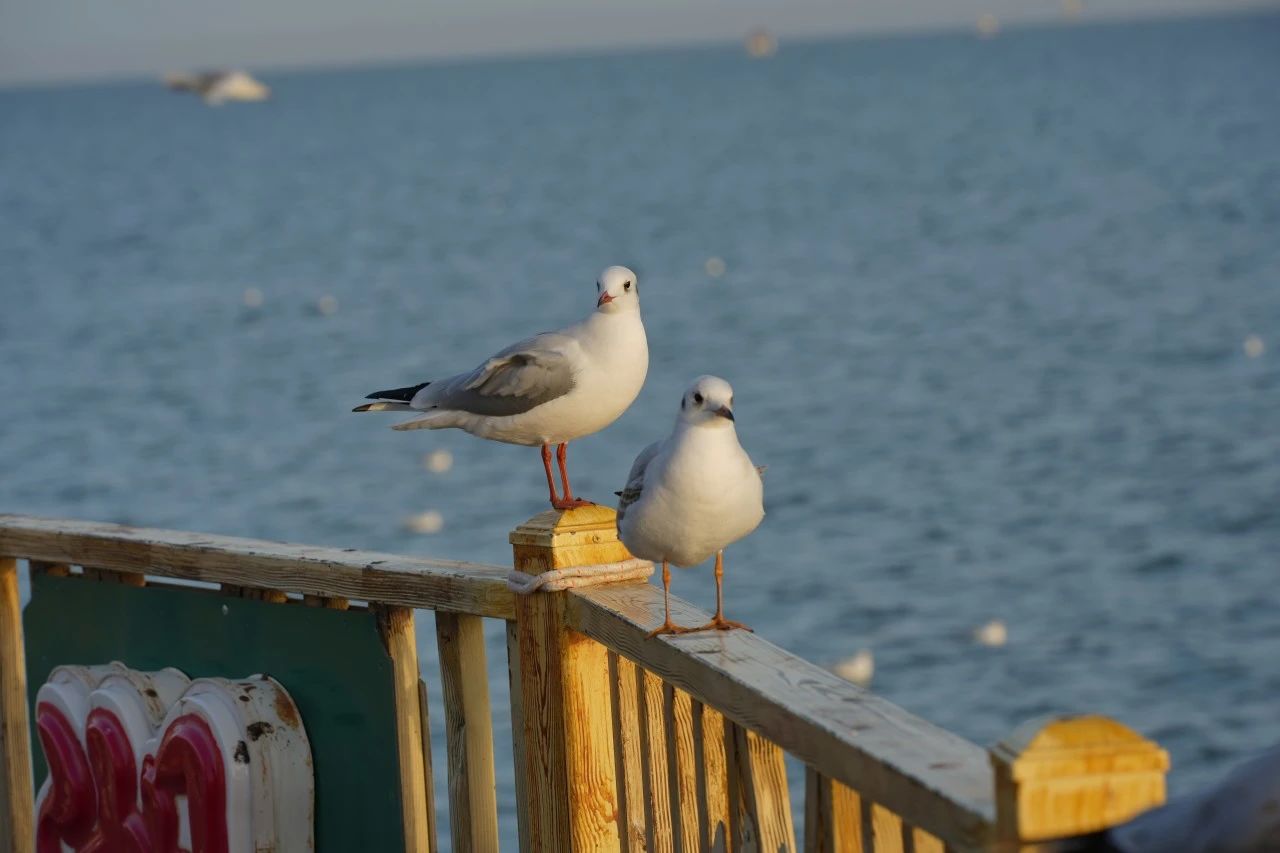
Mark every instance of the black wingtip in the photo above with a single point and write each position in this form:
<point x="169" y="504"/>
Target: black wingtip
<point x="619" y="494"/>
<point x="401" y="395"/>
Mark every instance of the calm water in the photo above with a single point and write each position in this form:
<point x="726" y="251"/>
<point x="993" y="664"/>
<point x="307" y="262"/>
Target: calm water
<point x="985" y="309"/>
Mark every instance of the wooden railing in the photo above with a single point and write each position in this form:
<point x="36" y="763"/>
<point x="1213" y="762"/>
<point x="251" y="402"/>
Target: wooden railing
<point x="619" y="742"/>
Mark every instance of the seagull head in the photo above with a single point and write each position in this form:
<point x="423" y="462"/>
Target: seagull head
<point x="708" y="402"/>
<point x="619" y="291"/>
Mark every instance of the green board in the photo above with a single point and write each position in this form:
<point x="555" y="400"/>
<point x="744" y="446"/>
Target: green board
<point x="332" y="662"/>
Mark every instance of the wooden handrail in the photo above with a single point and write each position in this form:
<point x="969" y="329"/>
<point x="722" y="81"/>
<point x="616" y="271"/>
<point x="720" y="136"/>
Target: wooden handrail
<point x="933" y="779"/>
<point x="633" y="725"/>
<point x="472" y="588"/>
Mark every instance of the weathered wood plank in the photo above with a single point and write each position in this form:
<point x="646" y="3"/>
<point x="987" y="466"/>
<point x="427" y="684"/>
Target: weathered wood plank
<point x="833" y="816"/>
<point x="473" y="805"/>
<point x="682" y="774"/>
<point x="659" y="831"/>
<point x="399" y="637"/>
<point x="629" y="766"/>
<point x="923" y="842"/>
<point x="935" y="780"/>
<point x="326" y="601"/>
<point x="712" y="779"/>
<point x="363" y="575"/>
<point x="759" y="794"/>
<point x="17" y="809"/>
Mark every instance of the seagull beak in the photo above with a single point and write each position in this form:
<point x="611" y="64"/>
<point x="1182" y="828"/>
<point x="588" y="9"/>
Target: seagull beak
<point x="725" y="412"/>
<point x="604" y="297"/>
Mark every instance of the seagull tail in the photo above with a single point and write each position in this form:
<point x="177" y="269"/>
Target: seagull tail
<point x="384" y="407"/>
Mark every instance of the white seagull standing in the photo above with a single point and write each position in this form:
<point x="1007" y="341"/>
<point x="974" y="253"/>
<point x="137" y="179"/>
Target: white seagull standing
<point x="692" y="494"/>
<point x="549" y="389"/>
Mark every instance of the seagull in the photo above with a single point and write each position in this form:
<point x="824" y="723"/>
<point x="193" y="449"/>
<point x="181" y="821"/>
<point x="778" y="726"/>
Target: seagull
<point x="692" y="494"/>
<point x="549" y="389"/>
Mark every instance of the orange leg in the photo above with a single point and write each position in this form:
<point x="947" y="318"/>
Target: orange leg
<point x="720" y="623"/>
<point x="568" y="501"/>
<point x="667" y="626"/>
<point x="551" y="483"/>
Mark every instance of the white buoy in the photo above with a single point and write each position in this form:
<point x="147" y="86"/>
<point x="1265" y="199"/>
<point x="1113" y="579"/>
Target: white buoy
<point x="427" y="522"/>
<point x="714" y="267"/>
<point x="438" y="461"/>
<point x="252" y="297"/>
<point x="993" y="634"/>
<point x="859" y="669"/>
<point x="1254" y="347"/>
<point x="327" y="305"/>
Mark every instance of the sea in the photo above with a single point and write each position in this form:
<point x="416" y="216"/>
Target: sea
<point x="1002" y="317"/>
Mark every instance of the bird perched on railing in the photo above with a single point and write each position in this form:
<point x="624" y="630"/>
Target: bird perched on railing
<point x="547" y="390"/>
<point x="692" y="495"/>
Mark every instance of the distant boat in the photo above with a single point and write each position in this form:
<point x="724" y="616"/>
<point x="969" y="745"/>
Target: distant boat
<point x="217" y="87"/>
<point x="761" y="44"/>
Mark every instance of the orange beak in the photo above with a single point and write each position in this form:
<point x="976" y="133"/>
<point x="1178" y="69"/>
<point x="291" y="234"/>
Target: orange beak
<point x="604" y="297"/>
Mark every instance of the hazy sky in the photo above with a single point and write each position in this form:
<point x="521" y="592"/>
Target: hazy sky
<point x="53" y="39"/>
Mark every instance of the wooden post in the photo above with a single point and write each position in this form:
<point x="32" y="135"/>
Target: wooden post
<point x="1073" y="775"/>
<point x="17" y="807"/>
<point x="564" y="743"/>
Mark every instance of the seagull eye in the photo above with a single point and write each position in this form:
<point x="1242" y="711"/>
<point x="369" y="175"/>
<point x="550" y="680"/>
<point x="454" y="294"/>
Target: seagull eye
<point x="697" y="398"/>
<point x="626" y="286"/>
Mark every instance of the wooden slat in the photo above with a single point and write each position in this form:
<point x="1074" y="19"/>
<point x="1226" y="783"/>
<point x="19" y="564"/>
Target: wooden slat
<point x="659" y="831"/>
<point x="109" y="576"/>
<point x="473" y="806"/>
<point x="428" y="776"/>
<point x="399" y="637"/>
<point x="17" y="809"/>
<point x="923" y="842"/>
<point x="363" y="575"/>
<point x="712" y="780"/>
<point x="887" y="831"/>
<point x="274" y="596"/>
<point x="937" y="781"/>
<point x="53" y="570"/>
<point x="833" y="816"/>
<point x="519" y="757"/>
<point x="758" y="792"/>
<point x="682" y="778"/>
<point x="629" y="766"/>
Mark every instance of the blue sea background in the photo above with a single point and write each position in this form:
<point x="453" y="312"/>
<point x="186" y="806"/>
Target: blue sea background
<point x="1002" y="317"/>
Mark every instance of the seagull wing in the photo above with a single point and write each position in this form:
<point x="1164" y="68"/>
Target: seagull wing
<point x="635" y="480"/>
<point x="522" y="376"/>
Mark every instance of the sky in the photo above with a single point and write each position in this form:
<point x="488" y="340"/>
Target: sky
<point x="47" y="40"/>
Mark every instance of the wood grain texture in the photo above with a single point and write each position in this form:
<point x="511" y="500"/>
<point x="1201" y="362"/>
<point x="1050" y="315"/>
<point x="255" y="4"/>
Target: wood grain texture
<point x="326" y="601"/>
<point x="923" y="842"/>
<point x="362" y="575"/>
<point x="428" y="777"/>
<point x="473" y="805"/>
<point x="759" y="793"/>
<point x="17" y="807"/>
<point x="659" y="831"/>
<point x="712" y="778"/>
<point x="832" y="816"/>
<point x="567" y="740"/>
<point x="682" y="772"/>
<point x="519" y="762"/>
<point x="398" y="635"/>
<point x="935" y="780"/>
<point x="887" y="831"/>
<point x="628" y="763"/>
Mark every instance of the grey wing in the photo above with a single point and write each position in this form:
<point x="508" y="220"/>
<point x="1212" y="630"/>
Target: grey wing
<point x="517" y="379"/>
<point x="635" y="480"/>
